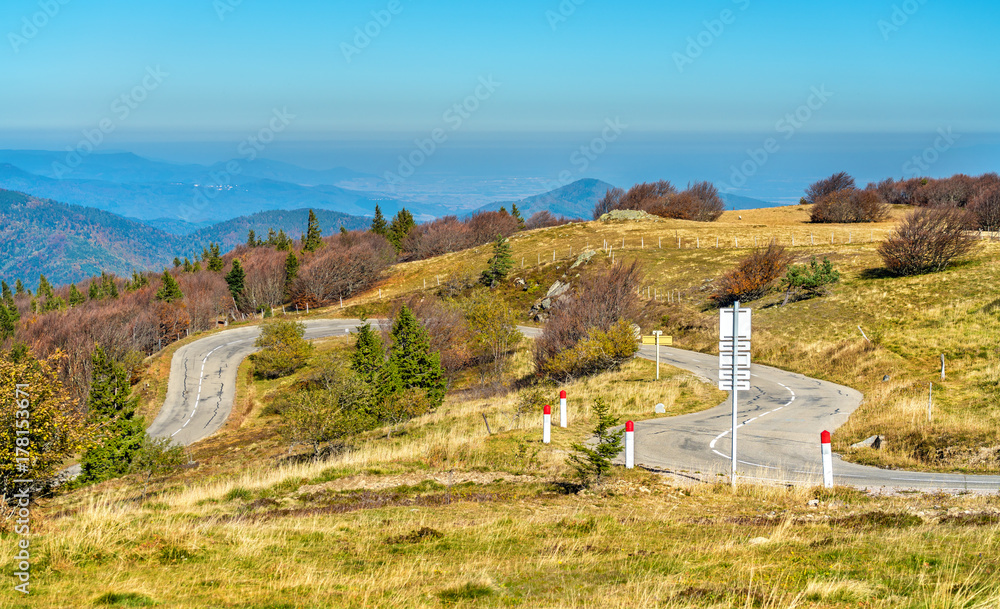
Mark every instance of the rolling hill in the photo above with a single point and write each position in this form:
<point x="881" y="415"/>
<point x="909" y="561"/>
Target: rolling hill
<point x="69" y="243"/>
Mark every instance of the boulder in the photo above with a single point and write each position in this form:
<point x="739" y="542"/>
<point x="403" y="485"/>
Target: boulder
<point x="872" y="442"/>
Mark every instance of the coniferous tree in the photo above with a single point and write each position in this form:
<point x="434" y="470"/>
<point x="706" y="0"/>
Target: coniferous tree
<point x="177" y="262"/>
<point x="138" y="282"/>
<point x="283" y="243"/>
<point x="236" y="279"/>
<point x="401" y="226"/>
<point x="18" y="288"/>
<point x="108" y="285"/>
<point x="271" y="238"/>
<point x="188" y="267"/>
<point x="313" y="239"/>
<point x="205" y="254"/>
<point x="94" y="291"/>
<point x="592" y="464"/>
<point x="412" y="358"/>
<point x="196" y="268"/>
<point x="9" y="317"/>
<point x="75" y="296"/>
<point x="113" y="408"/>
<point x="252" y="239"/>
<point x="514" y="211"/>
<point x="291" y="271"/>
<point x="215" y="262"/>
<point x="170" y="290"/>
<point x="379" y="225"/>
<point x="499" y="265"/>
<point x="8" y="296"/>
<point x="343" y="230"/>
<point x="44" y="288"/>
<point x="369" y="362"/>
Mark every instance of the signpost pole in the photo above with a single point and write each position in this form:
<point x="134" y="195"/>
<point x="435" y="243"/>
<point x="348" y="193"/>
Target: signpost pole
<point x="736" y="338"/>
<point x="657" y="334"/>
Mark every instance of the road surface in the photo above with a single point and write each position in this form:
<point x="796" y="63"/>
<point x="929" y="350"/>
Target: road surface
<point x="780" y="418"/>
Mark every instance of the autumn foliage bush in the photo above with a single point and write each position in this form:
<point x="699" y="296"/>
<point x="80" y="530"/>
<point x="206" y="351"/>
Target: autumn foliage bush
<point x="700" y="202"/>
<point x="850" y="205"/>
<point x="753" y="277"/>
<point x="602" y="299"/>
<point x="927" y="240"/>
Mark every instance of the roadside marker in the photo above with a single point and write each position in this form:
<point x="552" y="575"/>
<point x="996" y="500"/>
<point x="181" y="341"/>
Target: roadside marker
<point x="562" y="409"/>
<point x="629" y="445"/>
<point x="827" y="459"/>
<point x="547" y="425"/>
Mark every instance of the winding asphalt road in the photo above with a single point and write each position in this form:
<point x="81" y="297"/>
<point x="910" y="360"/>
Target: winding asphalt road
<point x="780" y="418"/>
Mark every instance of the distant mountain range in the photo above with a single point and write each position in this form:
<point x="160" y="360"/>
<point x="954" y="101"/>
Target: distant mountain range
<point x="577" y="200"/>
<point x="69" y="243"/>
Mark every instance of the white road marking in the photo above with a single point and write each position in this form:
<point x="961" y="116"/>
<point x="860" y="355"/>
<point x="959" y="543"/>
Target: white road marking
<point x="712" y="444"/>
<point x="201" y="379"/>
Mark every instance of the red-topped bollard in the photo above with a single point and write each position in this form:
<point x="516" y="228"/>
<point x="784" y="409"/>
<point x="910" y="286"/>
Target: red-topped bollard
<point x="629" y="445"/>
<point x="562" y="409"/>
<point x="547" y="425"/>
<point x="827" y="453"/>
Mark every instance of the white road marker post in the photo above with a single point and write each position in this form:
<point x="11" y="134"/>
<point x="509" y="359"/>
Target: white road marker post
<point x="629" y="445"/>
<point x="547" y="425"/>
<point x="734" y="363"/>
<point x="657" y="334"/>
<point x="562" y="409"/>
<point x="827" y="459"/>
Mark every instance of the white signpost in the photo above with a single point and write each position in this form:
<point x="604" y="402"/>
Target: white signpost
<point x="734" y="361"/>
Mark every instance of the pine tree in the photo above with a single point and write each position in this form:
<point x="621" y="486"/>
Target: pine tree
<point x="379" y="225"/>
<point x="592" y="464"/>
<point x="138" y="282"/>
<point x="283" y="243"/>
<point x="8" y="296"/>
<point x="94" y="292"/>
<point x="170" y="290"/>
<point x="44" y="288"/>
<point x="205" y="254"/>
<point x="177" y="262"/>
<point x="369" y="362"/>
<point x="236" y="278"/>
<point x="514" y="211"/>
<point x="401" y="226"/>
<point x="271" y="238"/>
<point x="313" y="239"/>
<point x="196" y="268"/>
<point x="18" y="288"/>
<point x="8" y="320"/>
<point x="215" y="262"/>
<point x="343" y="230"/>
<point x="411" y="355"/>
<point x="291" y="271"/>
<point x="188" y="267"/>
<point x="252" y="239"/>
<point x="499" y="264"/>
<point x="108" y="285"/>
<point x="75" y="296"/>
<point x="112" y="407"/>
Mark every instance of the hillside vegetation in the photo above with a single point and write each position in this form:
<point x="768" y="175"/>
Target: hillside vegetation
<point x="910" y="322"/>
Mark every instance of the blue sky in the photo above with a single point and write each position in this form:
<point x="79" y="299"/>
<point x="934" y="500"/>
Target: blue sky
<point x="559" y="67"/>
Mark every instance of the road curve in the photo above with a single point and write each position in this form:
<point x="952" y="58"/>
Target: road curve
<point x="780" y="418"/>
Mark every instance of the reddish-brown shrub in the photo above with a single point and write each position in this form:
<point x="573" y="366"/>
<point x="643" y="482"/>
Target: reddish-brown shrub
<point x="442" y="236"/>
<point x="700" y="203"/>
<point x="927" y="240"/>
<point x="601" y="299"/>
<point x="847" y="206"/>
<point x="753" y="277"/>
<point x="339" y="270"/>
<point x="486" y="225"/>
<point x="838" y="181"/>
<point x="986" y="207"/>
<point x="545" y="219"/>
<point x="610" y="201"/>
